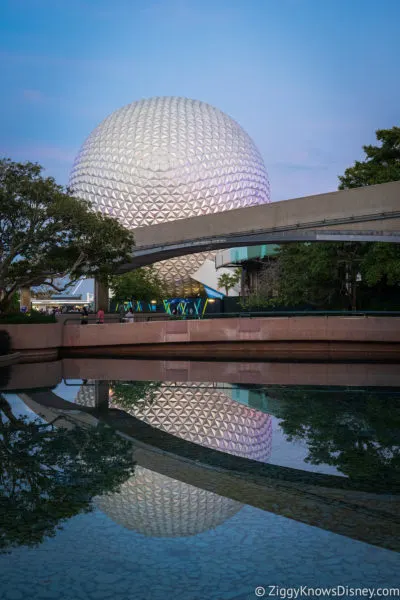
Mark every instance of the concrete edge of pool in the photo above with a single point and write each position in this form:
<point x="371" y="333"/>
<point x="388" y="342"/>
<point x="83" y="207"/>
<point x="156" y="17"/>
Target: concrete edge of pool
<point x="48" y="374"/>
<point x="268" y="338"/>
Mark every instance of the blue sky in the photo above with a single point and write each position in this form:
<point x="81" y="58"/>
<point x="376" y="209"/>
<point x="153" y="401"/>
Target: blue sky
<point x="310" y="80"/>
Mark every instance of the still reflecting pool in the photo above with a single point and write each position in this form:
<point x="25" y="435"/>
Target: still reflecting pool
<point x="164" y="489"/>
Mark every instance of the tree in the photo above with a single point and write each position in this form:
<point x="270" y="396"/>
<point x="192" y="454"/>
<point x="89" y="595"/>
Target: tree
<point x="321" y="274"/>
<point x="49" y="474"/>
<point x="339" y="275"/>
<point x="128" y="394"/>
<point x="228" y="281"/>
<point x="381" y="262"/>
<point x="343" y="275"/>
<point x="265" y="292"/>
<point x="381" y="165"/>
<point x="143" y="284"/>
<point x="49" y="238"/>
<point x="358" y="433"/>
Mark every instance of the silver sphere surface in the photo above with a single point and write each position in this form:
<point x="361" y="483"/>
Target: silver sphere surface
<point x="156" y="505"/>
<point x="168" y="158"/>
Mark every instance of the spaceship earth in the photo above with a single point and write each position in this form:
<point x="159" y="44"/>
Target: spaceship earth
<point x="205" y="415"/>
<point x="168" y="158"/>
<point x="156" y="505"/>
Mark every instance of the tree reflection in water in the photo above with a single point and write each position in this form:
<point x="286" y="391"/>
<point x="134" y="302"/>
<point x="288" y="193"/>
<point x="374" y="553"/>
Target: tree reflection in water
<point x="357" y="432"/>
<point x="49" y="474"/>
<point x="127" y="394"/>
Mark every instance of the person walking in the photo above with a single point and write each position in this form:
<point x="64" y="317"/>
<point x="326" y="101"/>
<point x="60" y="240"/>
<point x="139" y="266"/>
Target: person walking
<point x="85" y="316"/>
<point x="129" y="317"/>
<point x="122" y="314"/>
<point x="100" y="316"/>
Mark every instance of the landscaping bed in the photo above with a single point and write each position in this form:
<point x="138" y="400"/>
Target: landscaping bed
<point x="21" y="319"/>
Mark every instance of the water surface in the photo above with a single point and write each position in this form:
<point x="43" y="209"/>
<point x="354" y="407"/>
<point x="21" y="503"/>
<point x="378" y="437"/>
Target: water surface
<point x="170" y="489"/>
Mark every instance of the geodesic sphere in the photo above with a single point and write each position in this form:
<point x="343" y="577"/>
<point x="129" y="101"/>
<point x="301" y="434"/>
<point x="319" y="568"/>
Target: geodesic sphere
<point x="158" y="506"/>
<point x="168" y="158"/>
<point x="202" y="414"/>
<point x="208" y="416"/>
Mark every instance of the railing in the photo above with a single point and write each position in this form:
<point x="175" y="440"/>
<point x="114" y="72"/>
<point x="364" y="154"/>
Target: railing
<point x="92" y="319"/>
<point x="303" y="313"/>
<point x="116" y="318"/>
<point x="146" y="317"/>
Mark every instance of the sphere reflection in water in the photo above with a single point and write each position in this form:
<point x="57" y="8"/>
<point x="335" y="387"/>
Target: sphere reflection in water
<point x="206" y="415"/>
<point x="156" y="505"/>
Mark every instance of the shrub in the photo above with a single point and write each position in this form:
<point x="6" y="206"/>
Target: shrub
<point x="22" y="319"/>
<point x="5" y="342"/>
<point x="4" y="377"/>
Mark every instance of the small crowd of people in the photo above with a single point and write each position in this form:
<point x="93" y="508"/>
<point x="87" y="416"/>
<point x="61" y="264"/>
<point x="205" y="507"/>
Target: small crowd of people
<point x="85" y="316"/>
<point x="124" y="317"/>
<point x="60" y="310"/>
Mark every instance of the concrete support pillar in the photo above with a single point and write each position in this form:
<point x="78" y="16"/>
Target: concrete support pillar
<point x="102" y="395"/>
<point x="244" y="282"/>
<point x="100" y="295"/>
<point x="25" y="299"/>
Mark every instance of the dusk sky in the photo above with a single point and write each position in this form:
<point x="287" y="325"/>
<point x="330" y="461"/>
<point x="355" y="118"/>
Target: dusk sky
<point x="309" y="80"/>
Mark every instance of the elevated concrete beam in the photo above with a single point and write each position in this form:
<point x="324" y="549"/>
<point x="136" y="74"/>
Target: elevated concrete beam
<point x="143" y="256"/>
<point x="370" y="203"/>
<point x="365" y="214"/>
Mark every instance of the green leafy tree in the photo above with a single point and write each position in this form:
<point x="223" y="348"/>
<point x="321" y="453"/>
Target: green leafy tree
<point x="342" y="275"/>
<point x="14" y="303"/>
<point x="128" y="394"/>
<point x="229" y="280"/>
<point x="381" y="165"/>
<point x="358" y="433"/>
<point x="142" y="283"/>
<point x="322" y="274"/>
<point x="50" y="474"/>
<point x="265" y="292"/>
<point x="381" y="263"/>
<point x="49" y="238"/>
<point x="332" y="275"/>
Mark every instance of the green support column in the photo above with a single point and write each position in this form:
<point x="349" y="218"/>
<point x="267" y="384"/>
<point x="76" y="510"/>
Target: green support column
<point x="100" y="295"/>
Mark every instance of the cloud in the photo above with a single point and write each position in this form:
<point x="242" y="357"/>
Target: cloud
<point x="34" y="96"/>
<point x="40" y="152"/>
<point x="298" y="166"/>
<point x="298" y="159"/>
<point x="56" y="153"/>
<point x="63" y="105"/>
<point x="46" y="61"/>
<point x="185" y="12"/>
